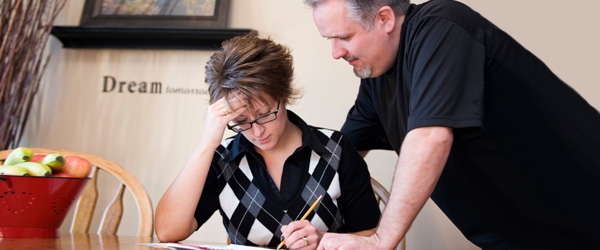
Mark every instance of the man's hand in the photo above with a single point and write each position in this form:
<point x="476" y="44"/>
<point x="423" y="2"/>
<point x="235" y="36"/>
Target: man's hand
<point x="334" y="241"/>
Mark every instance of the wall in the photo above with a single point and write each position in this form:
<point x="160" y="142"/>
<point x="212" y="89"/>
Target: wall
<point x="152" y="134"/>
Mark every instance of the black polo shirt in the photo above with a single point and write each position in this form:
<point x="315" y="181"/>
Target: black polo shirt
<point x="524" y="168"/>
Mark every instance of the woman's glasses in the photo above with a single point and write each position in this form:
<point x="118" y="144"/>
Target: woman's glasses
<point x="266" y="118"/>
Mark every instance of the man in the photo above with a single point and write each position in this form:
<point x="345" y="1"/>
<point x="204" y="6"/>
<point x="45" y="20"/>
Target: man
<point x="506" y="149"/>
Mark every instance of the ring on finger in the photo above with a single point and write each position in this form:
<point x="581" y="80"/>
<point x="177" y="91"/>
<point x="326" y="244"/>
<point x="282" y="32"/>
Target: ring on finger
<point x="225" y="110"/>
<point x="305" y="241"/>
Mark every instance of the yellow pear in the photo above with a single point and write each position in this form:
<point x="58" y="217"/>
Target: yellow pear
<point x="35" y="168"/>
<point x="12" y="170"/>
<point x="18" y="155"/>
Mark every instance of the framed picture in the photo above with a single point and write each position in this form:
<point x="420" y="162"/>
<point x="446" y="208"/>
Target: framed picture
<point x="156" y="13"/>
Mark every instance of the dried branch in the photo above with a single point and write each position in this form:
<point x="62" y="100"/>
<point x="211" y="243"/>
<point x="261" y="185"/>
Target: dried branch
<point x="25" y="28"/>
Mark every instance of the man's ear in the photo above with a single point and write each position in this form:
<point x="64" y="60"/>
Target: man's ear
<point x="386" y="17"/>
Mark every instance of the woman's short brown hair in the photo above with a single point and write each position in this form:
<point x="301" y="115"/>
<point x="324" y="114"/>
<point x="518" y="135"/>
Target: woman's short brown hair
<point x="252" y="66"/>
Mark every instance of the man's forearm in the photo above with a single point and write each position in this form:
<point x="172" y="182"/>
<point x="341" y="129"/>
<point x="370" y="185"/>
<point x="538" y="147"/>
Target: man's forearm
<point x="422" y="158"/>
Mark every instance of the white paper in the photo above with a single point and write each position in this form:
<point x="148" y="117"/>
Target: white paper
<point x="210" y="247"/>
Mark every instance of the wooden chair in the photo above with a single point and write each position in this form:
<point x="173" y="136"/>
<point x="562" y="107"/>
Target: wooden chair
<point x="383" y="196"/>
<point x="86" y="204"/>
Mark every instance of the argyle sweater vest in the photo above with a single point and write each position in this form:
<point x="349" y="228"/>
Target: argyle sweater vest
<point x="250" y="219"/>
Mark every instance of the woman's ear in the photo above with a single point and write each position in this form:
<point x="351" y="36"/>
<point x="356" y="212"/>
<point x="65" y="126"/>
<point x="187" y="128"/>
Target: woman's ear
<point x="386" y="18"/>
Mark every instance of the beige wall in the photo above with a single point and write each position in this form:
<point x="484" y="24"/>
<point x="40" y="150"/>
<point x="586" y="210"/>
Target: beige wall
<point x="152" y="135"/>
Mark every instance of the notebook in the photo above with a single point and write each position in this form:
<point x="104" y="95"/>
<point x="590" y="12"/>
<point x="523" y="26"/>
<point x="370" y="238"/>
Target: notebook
<point x="180" y="246"/>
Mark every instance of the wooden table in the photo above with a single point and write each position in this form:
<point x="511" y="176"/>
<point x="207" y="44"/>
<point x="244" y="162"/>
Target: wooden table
<point x="81" y="242"/>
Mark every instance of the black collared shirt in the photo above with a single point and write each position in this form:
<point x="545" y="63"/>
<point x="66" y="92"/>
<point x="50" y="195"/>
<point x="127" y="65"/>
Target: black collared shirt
<point x="524" y="168"/>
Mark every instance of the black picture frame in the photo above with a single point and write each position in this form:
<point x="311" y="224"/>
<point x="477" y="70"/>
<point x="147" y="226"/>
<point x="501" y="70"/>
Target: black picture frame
<point x="92" y="16"/>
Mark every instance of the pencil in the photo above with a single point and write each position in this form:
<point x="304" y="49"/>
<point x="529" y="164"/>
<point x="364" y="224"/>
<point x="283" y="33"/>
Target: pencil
<point x="304" y="216"/>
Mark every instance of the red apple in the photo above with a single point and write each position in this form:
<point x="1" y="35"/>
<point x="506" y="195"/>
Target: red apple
<point x="37" y="158"/>
<point x="62" y="174"/>
<point x="77" y="166"/>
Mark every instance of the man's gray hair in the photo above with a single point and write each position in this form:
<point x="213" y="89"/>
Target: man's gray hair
<point x="364" y="11"/>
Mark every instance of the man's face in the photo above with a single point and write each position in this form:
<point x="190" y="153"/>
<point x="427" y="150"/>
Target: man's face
<point x="349" y="40"/>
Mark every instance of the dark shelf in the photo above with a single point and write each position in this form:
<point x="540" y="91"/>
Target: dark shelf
<point x="88" y="37"/>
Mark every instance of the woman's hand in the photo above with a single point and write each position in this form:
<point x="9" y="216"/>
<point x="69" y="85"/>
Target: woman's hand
<point x="301" y="235"/>
<point x="217" y="117"/>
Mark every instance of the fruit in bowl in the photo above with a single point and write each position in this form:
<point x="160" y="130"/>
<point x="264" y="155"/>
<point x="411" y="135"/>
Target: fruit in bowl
<point x="13" y="170"/>
<point x="34" y="196"/>
<point x="54" y="161"/>
<point x="19" y="155"/>
<point x="35" y="168"/>
<point x="22" y="161"/>
<point x="37" y="158"/>
<point x="77" y="167"/>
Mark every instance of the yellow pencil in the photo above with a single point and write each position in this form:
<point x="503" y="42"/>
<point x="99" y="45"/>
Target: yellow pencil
<point x="304" y="216"/>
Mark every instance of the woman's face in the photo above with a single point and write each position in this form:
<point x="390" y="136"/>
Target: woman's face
<point x="265" y="136"/>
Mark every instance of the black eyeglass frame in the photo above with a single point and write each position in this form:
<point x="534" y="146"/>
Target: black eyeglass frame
<point x="232" y="127"/>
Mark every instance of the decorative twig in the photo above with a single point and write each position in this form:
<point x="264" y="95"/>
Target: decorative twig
<point x="25" y="27"/>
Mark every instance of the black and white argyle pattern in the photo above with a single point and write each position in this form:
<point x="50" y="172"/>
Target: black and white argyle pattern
<point x="251" y="219"/>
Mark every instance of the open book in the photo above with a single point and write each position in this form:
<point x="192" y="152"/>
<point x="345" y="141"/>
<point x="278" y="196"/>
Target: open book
<point x="181" y="246"/>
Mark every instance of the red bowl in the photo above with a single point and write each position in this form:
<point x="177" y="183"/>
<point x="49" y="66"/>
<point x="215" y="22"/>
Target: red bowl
<point x="35" y="207"/>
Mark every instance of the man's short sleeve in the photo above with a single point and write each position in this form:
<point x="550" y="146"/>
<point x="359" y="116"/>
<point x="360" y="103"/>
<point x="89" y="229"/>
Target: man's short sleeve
<point x="445" y="72"/>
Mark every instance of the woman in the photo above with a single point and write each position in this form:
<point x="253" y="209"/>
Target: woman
<point x="269" y="174"/>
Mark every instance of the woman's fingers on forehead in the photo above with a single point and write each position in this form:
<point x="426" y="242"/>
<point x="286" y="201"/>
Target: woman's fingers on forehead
<point x="236" y="104"/>
<point x="237" y="99"/>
